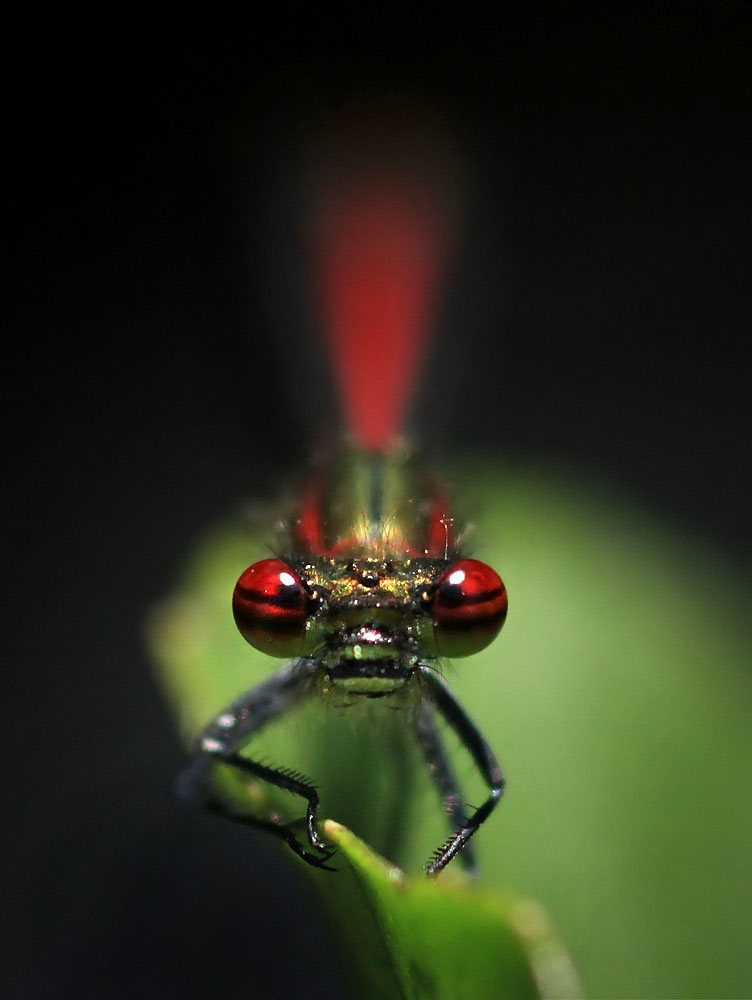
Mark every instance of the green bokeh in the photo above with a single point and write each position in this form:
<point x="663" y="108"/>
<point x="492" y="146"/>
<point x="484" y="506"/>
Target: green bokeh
<point x="618" y="699"/>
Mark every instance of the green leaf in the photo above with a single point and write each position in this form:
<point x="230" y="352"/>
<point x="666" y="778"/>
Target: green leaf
<point x="618" y="699"/>
<point x="447" y="938"/>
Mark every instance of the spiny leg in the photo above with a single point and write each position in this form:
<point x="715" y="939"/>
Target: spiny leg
<point x="285" y="833"/>
<point x="443" y="776"/>
<point x="484" y="758"/>
<point x="230" y="730"/>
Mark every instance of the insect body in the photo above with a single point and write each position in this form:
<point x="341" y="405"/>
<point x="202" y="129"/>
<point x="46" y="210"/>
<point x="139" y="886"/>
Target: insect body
<point x="371" y="595"/>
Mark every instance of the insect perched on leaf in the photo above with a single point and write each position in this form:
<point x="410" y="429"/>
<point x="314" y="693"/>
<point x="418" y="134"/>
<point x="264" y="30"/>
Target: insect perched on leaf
<point x="370" y="591"/>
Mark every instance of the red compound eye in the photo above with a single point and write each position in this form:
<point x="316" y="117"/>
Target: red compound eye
<point x="270" y="606"/>
<point x="468" y="608"/>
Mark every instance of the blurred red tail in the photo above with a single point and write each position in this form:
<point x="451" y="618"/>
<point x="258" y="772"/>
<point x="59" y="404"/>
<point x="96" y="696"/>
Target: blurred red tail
<point x="380" y="244"/>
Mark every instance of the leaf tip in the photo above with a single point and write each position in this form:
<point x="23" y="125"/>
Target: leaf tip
<point x="360" y="854"/>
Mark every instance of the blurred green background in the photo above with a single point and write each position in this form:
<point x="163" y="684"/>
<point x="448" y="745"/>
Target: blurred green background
<point x="618" y="698"/>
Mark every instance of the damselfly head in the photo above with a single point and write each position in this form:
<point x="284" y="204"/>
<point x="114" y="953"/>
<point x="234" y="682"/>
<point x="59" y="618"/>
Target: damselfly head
<point x="368" y="609"/>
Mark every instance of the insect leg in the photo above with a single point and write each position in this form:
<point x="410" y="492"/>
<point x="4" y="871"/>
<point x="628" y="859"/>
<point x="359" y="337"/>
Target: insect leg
<point x="481" y="753"/>
<point x="221" y="741"/>
<point x="443" y="776"/>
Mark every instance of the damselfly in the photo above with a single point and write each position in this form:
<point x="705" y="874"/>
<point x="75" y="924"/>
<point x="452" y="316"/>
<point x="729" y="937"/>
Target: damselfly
<point x="371" y="590"/>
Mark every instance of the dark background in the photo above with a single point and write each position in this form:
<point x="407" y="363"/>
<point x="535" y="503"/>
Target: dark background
<point x="161" y="368"/>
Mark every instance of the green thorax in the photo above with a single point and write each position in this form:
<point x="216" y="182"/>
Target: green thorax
<point x="372" y="505"/>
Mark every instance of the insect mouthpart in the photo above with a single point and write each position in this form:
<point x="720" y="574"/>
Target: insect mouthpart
<point x="369" y="659"/>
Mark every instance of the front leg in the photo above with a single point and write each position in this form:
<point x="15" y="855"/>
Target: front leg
<point x="443" y="776"/>
<point x="222" y="739"/>
<point x="484" y="758"/>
